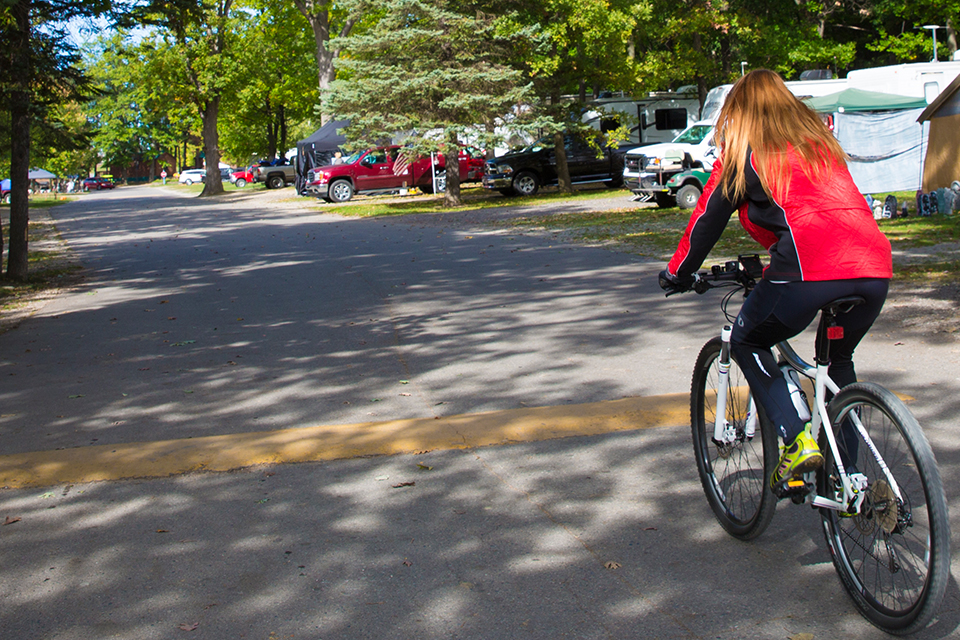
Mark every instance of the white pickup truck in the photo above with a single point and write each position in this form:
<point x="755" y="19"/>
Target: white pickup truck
<point x="647" y="169"/>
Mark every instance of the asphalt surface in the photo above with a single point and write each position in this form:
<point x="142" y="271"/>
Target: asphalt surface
<point x="203" y="327"/>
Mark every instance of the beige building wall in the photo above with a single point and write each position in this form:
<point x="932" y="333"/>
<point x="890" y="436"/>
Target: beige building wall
<point x="942" y="163"/>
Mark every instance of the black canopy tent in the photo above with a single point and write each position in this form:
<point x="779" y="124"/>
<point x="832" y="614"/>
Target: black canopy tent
<point x="318" y="149"/>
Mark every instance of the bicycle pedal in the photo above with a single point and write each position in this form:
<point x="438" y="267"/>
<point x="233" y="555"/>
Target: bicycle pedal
<point x="794" y="488"/>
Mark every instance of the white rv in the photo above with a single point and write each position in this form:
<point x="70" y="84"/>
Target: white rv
<point x="658" y="117"/>
<point x="917" y="79"/>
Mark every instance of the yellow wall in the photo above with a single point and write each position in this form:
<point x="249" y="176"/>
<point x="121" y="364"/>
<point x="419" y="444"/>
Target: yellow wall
<point x="942" y="164"/>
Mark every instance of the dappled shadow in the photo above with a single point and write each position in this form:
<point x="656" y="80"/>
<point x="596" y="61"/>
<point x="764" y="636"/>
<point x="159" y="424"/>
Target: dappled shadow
<point x="199" y="318"/>
<point x="603" y="537"/>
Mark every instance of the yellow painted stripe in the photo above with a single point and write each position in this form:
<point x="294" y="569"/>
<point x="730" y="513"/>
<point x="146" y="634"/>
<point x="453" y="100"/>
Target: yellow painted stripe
<point x="312" y="444"/>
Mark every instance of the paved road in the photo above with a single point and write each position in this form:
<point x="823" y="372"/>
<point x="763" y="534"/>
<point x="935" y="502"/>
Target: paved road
<point x="201" y="320"/>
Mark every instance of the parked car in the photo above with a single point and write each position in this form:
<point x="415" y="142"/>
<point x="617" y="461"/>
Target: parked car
<point x="276" y="176"/>
<point x="97" y="183"/>
<point x="241" y="177"/>
<point x="190" y="176"/>
<point x="5" y="191"/>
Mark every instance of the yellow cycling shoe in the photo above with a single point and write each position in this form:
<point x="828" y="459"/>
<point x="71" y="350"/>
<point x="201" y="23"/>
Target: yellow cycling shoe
<point x="802" y="456"/>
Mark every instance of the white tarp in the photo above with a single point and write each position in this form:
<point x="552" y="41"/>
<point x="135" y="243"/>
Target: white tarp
<point x="885" y="147"/>
<point x="40" y="174"/>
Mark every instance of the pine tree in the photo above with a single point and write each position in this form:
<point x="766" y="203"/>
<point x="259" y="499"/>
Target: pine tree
<point x="431" y="72"/>
<point x="40" y="69"/>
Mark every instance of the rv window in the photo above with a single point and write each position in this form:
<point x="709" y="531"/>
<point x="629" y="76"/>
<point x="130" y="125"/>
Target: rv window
<point x="609" y="124"/>
<point x="930" y="91"/>
<point x="671" y="119"/>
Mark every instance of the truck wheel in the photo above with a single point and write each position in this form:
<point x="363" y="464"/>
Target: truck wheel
<point x="664" y="200"/>
<point x="441" y="184"/>
<point x="275" y="182"/>
<point x="341" y="191"/>
<point x="241" y="183"/>
<point x="188" y="182"/>
<point x="687" y="196"/>
<point x="526" y="184"/>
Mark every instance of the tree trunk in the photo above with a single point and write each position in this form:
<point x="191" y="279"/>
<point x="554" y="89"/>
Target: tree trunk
<point x="563" y="169"/>
<point x="212" y="184"/>
<point x="271" y="120"/>
<point x="20" y="145"/>
<point x="951" y="37"/>
<point x="319" y="19"/>
<point x="451" y="197"/>
<point x="282" y="121"/>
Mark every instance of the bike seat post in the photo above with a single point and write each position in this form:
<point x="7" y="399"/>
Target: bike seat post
<point x="828" y="329"/>
<point x="828" y="319"/>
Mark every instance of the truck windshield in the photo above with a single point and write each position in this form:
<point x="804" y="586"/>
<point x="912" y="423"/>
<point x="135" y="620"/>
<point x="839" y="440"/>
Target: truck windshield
<point x="694" y="134"/>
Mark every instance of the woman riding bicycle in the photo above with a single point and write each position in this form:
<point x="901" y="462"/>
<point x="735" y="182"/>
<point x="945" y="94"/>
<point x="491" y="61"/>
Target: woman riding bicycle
<point x="784" y="171"/>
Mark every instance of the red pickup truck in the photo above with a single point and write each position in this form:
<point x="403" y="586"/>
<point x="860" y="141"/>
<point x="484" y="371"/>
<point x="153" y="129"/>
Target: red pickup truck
<point x="378" y="171"/>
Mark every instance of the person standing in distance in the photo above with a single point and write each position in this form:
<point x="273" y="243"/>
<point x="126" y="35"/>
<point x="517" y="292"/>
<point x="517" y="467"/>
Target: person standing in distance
<point x="785" y="173"/>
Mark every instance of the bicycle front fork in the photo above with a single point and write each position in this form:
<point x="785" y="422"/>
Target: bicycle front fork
<point x="725" y="430"/>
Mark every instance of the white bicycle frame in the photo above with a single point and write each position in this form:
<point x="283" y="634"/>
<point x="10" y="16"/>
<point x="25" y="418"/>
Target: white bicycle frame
<point x="726" y="433"/>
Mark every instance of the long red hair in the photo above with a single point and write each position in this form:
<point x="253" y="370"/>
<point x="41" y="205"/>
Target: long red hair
<point x="762" y="113"/>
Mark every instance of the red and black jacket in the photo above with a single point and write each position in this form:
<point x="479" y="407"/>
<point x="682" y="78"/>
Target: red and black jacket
<point x="820" y="231"/>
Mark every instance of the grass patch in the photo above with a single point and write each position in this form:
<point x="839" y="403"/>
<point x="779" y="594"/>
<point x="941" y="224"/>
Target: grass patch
<point x="644" y="231"/>
<point x="655" y="233"/>
<point x="474" y="198"/>
<point x="921" y="232"/>
<point x="49" y="265"/>
<point x="931" y="273"/>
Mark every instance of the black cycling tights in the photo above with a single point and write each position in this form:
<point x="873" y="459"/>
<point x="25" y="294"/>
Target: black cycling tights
<point x="779" y="311"/>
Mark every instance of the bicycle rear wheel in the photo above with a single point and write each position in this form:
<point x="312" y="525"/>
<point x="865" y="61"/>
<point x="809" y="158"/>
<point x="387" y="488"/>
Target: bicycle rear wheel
<point x="894" y="556"/>
<point x="734" y="476"/>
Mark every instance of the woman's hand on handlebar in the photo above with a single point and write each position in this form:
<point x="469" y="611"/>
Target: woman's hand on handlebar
<point x="673" y="284"/>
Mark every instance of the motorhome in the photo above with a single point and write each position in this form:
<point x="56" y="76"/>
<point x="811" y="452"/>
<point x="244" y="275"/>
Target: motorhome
<point x="917" y="79"/>
<point x="658" y="117"/>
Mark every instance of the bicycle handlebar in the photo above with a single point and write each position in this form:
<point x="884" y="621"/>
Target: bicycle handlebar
<point x="744" y="272"/>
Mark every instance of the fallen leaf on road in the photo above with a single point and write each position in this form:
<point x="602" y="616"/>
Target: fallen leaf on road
<point x="407" y="563"/>
<point x="405" y="394"/>
<point x="10" y="520"/>
<point x="801" y="636"/>
<point x="189" y="627"/>
<point x="404" y="484"/>
<point x="424" y="467"/>
<point x="162" y="531"/>
<point x="79" y="395"/>
<point x="612" y="565"/>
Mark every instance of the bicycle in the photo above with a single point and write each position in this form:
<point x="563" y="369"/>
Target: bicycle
<point x="879" y="492"/>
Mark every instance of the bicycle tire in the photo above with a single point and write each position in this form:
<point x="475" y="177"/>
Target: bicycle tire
<point x="895" y="566"/>
<point x="734" y="477"/>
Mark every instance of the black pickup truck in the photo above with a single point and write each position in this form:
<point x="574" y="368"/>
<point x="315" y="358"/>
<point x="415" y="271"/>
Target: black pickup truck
<point x="524" y="172"/>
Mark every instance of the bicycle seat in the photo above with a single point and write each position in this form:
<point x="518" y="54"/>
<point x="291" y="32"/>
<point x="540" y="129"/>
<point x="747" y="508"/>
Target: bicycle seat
<point x="842" y="305"/>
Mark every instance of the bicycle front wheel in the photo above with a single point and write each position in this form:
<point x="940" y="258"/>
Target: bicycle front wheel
<point x="734" y="476"/>
<point x="894" y="555"/>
